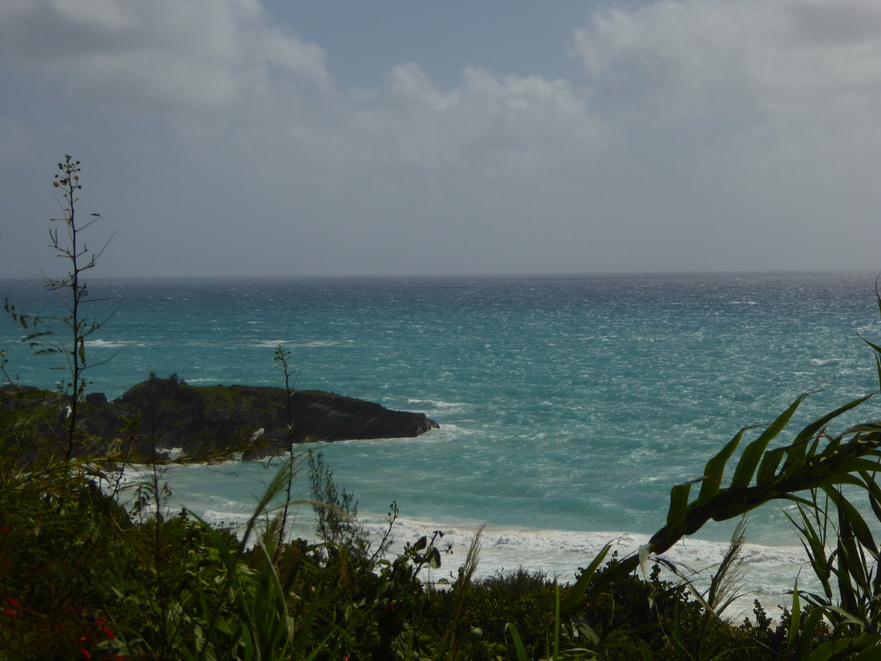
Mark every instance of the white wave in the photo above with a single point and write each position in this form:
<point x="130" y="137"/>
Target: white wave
<point x="771" y="570"/>
<point x="820" y="362"/>
<point x="225" y="518"/>
<point x="314" y="344"/>
<point x="113" y="344"/>
<point x="438" y="405"/>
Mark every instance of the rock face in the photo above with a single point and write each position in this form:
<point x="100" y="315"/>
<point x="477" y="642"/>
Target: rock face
<point x="201" y="420"/>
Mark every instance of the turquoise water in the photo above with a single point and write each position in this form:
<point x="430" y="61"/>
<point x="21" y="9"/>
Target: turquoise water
<point x="568" y="406"/>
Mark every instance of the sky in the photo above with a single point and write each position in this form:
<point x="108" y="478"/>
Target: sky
<point x="346" y="138"/>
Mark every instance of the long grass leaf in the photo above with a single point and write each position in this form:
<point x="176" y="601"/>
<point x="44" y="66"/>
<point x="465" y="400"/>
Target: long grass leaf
<point x="861" y="465"/>
<point x="796" y="454"/>
<point x="519" y="648"/>
<point x="715" y="468"/>
<point x="271" y="615"/>
<point x="768" y="466"/>
<point x="822" y="421"/>
<point x="812" y="623"/>
<point x="854" y="519"/>
<point x="749" y="460"/>
<point x="577" y="591"/>
<point x="836" y="480"/>
<point x="871" y="653"/>
<point x="864" y="428"/>
<point x="874" y="492"/>
<point x="875" y="347"/>
<point x="795" y="620"/>
<point x="678" y="504"/>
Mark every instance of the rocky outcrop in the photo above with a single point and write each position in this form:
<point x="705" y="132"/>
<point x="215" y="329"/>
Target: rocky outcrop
<point x="214" y="420"/>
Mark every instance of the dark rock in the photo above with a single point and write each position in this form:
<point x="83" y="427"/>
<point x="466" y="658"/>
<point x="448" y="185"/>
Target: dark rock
<point x="215" y="420"/>
<point x="96" y="398"/>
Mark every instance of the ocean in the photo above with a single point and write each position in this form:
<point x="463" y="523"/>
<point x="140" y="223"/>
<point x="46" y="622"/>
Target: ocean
<point x="568" y="405"/>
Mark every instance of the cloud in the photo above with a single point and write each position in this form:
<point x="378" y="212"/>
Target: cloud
<point x="489" y="124"/>
<point x="221" y="70"/>
<point x="211" y="129"/>
<point x="690" y="58"/>
<point x="159" y="54"/>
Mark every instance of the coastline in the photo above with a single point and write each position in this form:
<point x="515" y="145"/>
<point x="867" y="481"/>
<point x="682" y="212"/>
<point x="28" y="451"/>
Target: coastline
<point x="771" y="570"/>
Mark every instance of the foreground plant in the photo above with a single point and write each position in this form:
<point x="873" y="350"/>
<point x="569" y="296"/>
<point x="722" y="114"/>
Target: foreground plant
<point x="67" y="334"/>
<point x="283" y="363"/>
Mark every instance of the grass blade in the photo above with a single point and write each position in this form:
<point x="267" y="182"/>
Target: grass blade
<point x="749" y="460"/>
<point x="715" y="468"/>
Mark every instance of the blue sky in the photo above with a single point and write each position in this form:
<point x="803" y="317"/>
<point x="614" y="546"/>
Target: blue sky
<point x="277" y="137"/>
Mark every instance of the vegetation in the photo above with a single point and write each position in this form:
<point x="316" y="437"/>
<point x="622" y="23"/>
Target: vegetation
<point x="83" y="577"/>
<point x="67" y="334"/>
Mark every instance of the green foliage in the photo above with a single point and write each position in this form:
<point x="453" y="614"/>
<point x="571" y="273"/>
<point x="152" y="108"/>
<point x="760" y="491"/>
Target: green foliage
<point x="336" y="509"/>
<point x="158" y="586"/>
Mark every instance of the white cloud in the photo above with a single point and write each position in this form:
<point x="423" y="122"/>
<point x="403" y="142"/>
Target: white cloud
<point x="691" y="58"/>
<point x="159" y="54"/>
<point x="766" y="111"/>
<point x="218" y="66"/>
<point x="489" y="124"/>
<point x="696" y="127"/>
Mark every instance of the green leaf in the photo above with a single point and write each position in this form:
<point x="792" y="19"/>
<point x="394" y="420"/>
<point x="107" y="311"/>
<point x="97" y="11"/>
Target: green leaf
<point x="577" y="591"/>
<point x="865" y="428"/>
<point x="856" y="522"/>
<point x="768" y="466"/>
<point x="795" y="458"/>
<point x="872" y="651"/>
<point x="821" y="422"/>
<point x="749" y="460"/>
<point x="861" y="465"/>
<point x="678" y="504"/>
<point x="715" y="468"/>
<point x="795" y="622"/>
<point x="519" y="648"/>
<point x="837" y="479"/>
<point x="874" y="494"/>
<point x="875" y="347"/>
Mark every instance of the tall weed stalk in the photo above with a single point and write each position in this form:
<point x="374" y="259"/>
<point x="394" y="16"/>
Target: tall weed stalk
<point x="74" y="327"/>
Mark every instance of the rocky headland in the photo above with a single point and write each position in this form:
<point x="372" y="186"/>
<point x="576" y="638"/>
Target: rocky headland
<point x="163" y="414"/>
